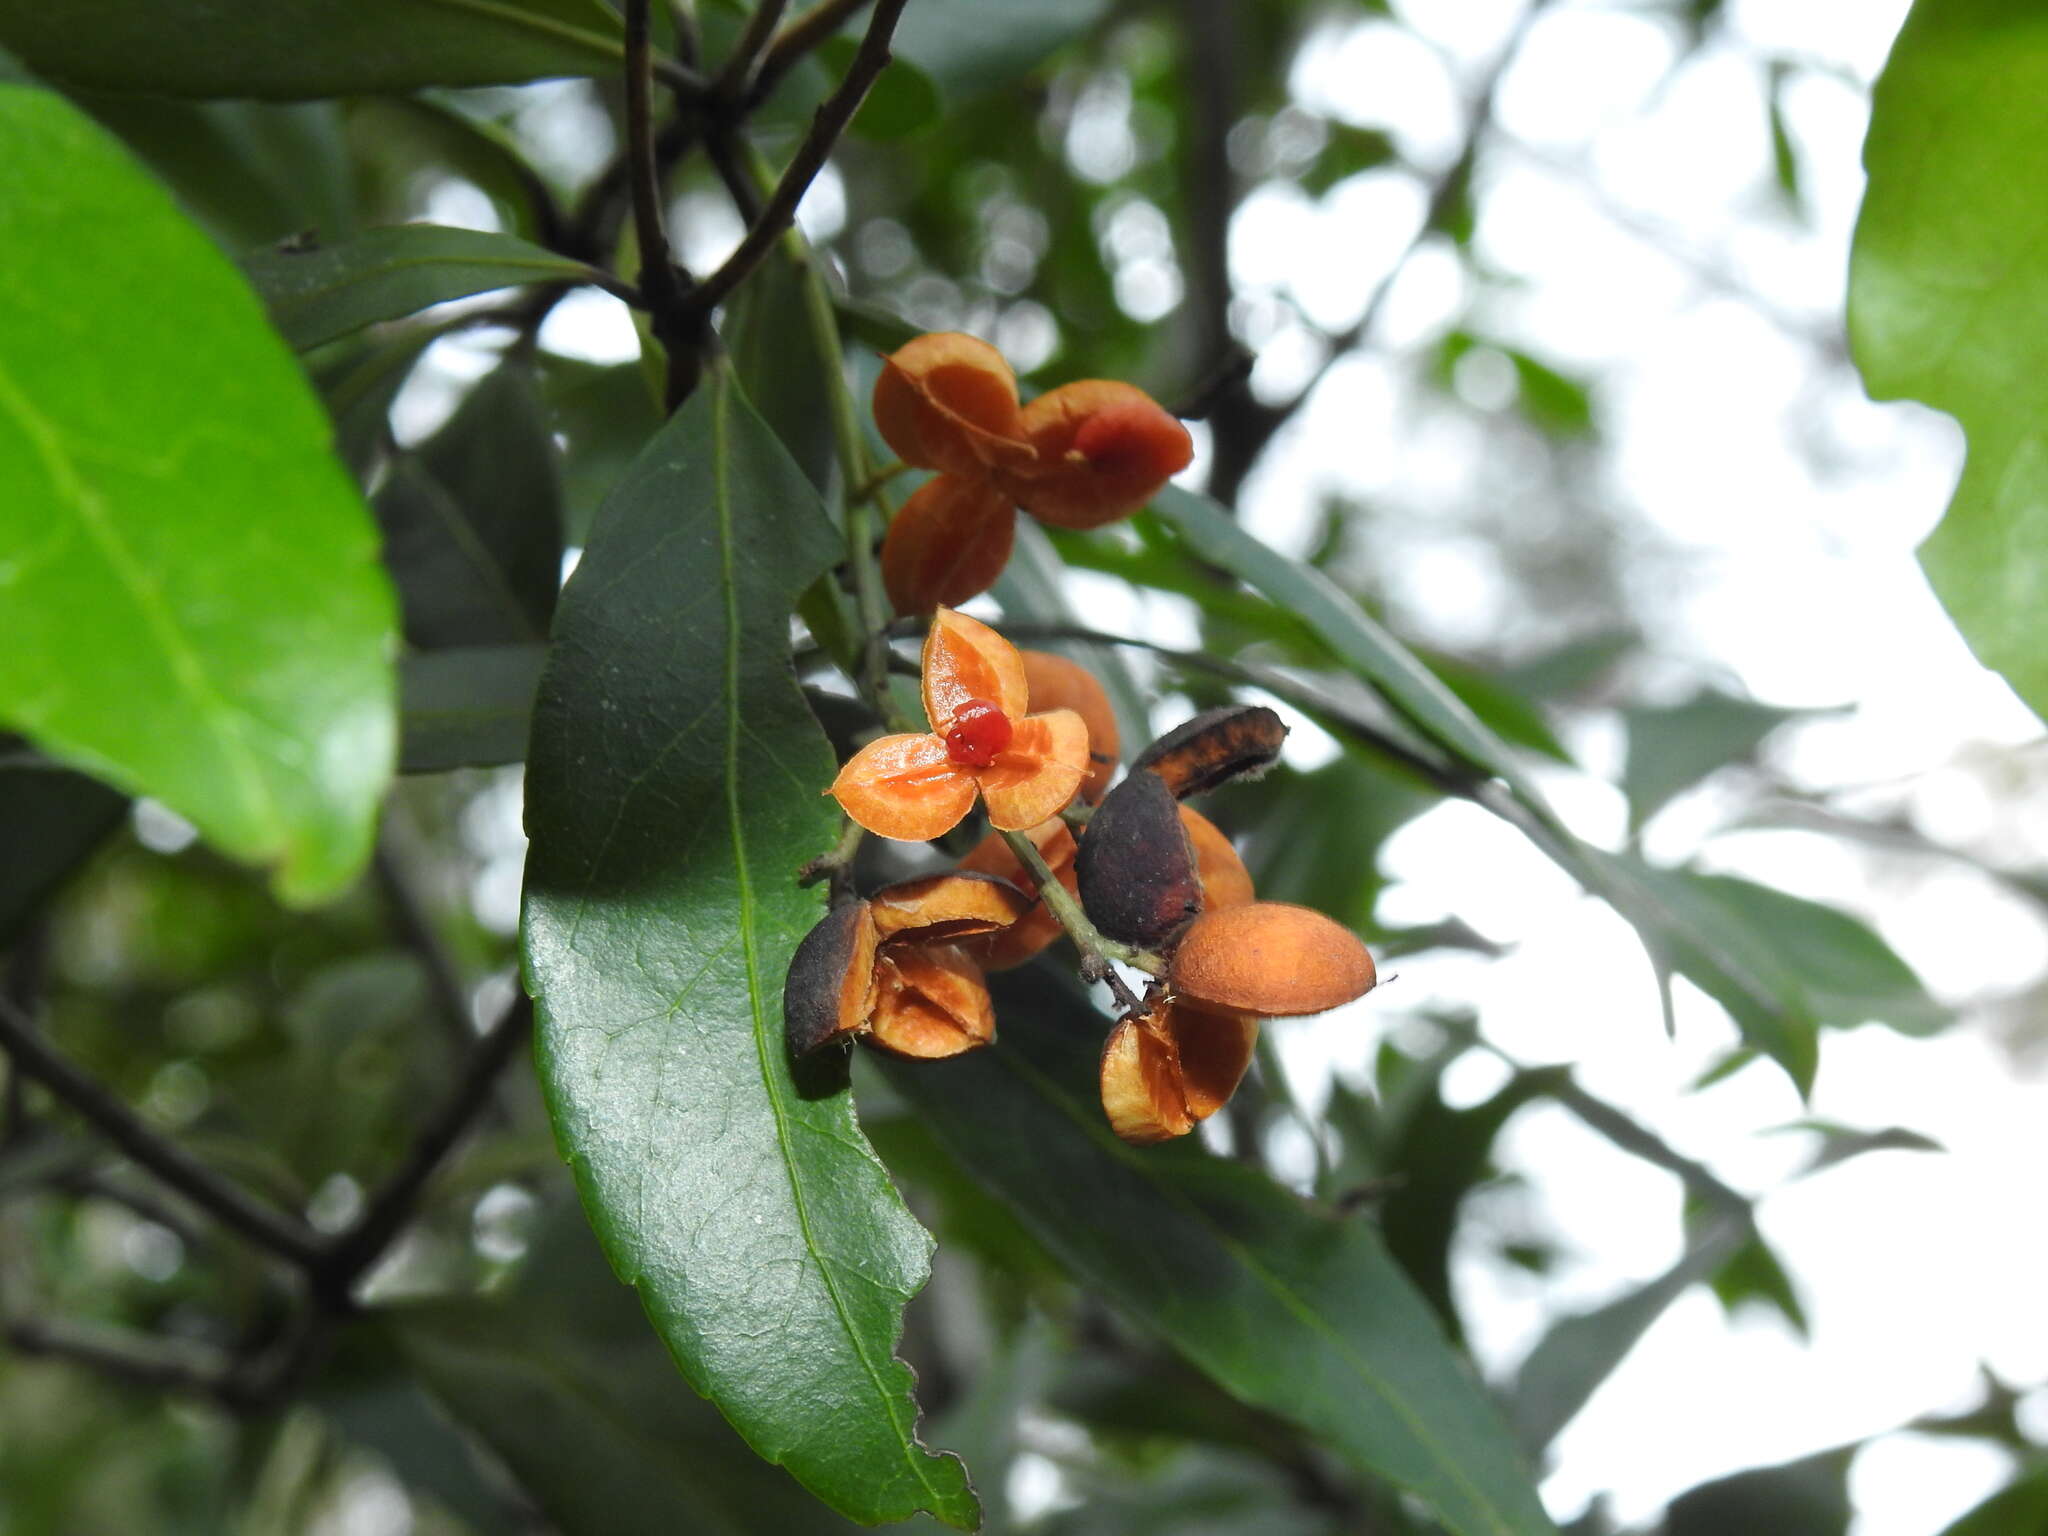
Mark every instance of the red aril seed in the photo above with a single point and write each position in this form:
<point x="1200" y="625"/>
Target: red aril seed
<point x="980" y="730"/>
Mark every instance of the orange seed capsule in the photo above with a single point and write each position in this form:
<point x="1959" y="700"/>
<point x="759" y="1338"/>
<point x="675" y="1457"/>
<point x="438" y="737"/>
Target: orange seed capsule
<point x="1270" y="958"/>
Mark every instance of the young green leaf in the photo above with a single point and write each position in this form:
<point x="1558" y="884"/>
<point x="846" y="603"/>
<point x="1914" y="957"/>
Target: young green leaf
<point x="292" y="49"/>
<point x="672" y="792"/>
<point x="194" y="608"/>
<point x="326" y="291"/>
<point x="1298" y="1313"/>
<point x="1946" y="290"/>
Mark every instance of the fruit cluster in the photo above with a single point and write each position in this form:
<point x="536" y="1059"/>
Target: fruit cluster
<point x="1078" y="456"/>
<point x="1149" y="881"/>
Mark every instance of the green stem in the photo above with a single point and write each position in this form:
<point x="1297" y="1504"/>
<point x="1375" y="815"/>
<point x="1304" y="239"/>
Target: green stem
<point x="1097" y="950"/>
<point x="870" y="602"/>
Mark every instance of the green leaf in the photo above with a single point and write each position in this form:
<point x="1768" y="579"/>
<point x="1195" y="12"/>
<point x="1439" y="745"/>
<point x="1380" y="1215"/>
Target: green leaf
<point x="1361" y="643"/>
<point x="1291" y="1311"/>
<point x="1946" y="292"/>
<point x="2020" y="1509"/>
<point x="290" y="49"/>
<point x="966" y="48"/>
<point x="165" y="470"/>
<point x="1672" y="747"/>
<point x="50" y="820"/>
<point x="252" y="172"/>
<point x="769" y="337"/>
<point x="1753" y="1273"/>
<point x="561" y="1378"/>
<point x="1737" y="967"/>
<point x="605" y="413"/>
<point x="1846" y="974"/>
<point x="1581" y="1351"/>
<point x="673" y="790"/>
<point x="466" y="706"/>
<point x="473" y="522"/>
<point x="1808" y="1497"/>
<point x="327" y="291"/>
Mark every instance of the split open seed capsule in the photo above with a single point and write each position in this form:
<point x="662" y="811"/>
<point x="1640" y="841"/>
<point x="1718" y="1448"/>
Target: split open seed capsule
<point x="1053" y="682"/>
<point x="890" y="970"/>
<point x="1169" y="1068"/>
<point x="1216" y="746"/>
<point x="1270" y="958"/>
<point x="825" y="995"/>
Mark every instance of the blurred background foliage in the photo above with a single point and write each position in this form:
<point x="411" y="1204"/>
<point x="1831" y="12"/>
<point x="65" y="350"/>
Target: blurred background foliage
<point x="1164" y="193"/>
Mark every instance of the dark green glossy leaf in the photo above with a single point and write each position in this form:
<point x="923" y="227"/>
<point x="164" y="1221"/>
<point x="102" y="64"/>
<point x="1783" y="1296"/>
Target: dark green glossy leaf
<point x="466" y="706"/>
<point x="1672" y="747"/>
<point x="473" y="522"/>
<point x="50" y="820"/>
<point x="252" y="172"/>
<point x="165" y="469"/>
<point x="327" y="291"/>
<point x="561" y="1378"/>
<point x="605" y="414"/>
<point x="1291" y="1311"/>
<point x="1579" y="1352"/>
<point x="1946" y="291"/>
<point x="287" y="49"/>
<point x="778" y="365"/>
<point x="2018" y="1510"/>
<point x="672" y="792"/>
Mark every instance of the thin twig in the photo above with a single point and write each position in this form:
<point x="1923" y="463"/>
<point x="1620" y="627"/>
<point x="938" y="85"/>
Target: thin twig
<point x="796" y="42"/>
<point x="676" y="323"/>
<point x="139" y="1360"/>
<point x="227" y="1203"/>
<point x="343" y="1263"/>
<point x="830" y="120"/>
<point x="836" y="866"/>
<point x="733" y="80"/>
<point x="416" y="927"/>
<point x="1447" y="191"/>
<point x="1097" y="949"/>
<point x="25" y="970"/>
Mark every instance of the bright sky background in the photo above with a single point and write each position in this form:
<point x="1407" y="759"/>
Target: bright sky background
<point x="1634" y="201"/>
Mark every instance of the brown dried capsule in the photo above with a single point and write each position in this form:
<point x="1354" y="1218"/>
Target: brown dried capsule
<point x="825" y="995"/>
<point x="1218" y="745"/>
<point x="1171" y="1067"/>
<point x="1057" y="683"/>
<point x="957" y="905"/>
<point x="1136" y="870"/>
<point x="1270" y="958"/>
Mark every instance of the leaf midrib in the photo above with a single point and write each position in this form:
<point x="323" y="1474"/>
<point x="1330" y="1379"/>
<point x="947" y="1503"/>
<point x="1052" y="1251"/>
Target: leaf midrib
<point x="766" y="1040"/>
<point x="608" y="49"/>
